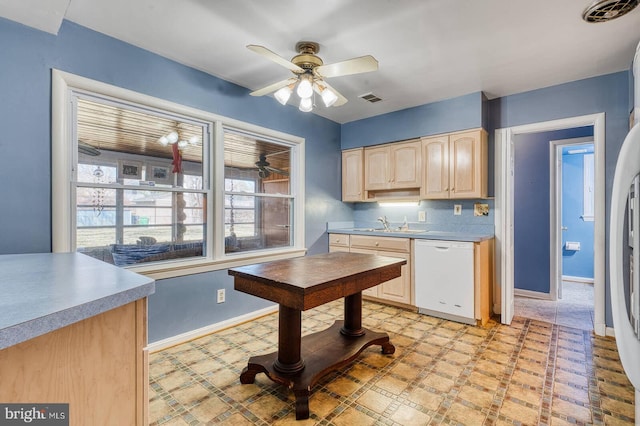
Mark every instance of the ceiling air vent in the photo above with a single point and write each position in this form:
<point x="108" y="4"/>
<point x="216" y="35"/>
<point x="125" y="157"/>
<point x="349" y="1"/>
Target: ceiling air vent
<point x="371" y="98"/>
<point x="606" y="10"/>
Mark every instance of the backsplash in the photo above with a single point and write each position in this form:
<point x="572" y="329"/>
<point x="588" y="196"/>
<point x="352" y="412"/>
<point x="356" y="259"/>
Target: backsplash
<point x="439" y="216"/>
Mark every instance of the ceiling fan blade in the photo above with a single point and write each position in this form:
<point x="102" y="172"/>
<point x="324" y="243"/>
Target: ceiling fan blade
<point x="278" y="171"/>
<point x="351" y="66"/>
<point x="273" y="87"/>
<point x="341" y="99"/>
<point x="261" y="50"/>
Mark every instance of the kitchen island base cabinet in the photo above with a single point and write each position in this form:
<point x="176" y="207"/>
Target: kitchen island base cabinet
<point x="98" y="366"/>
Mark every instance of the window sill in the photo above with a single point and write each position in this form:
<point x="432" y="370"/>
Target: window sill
<point x="181" y="268"/>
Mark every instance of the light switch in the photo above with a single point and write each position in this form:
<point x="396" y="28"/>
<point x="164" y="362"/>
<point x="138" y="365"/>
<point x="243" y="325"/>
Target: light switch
<point x="457" y="209"/>
<point x="422" y="216"/>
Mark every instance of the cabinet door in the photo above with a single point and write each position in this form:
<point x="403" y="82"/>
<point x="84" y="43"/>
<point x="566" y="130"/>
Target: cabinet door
<point x="377" y="173"/>
<point x="352" y="175"/>
<point x="467" y="171"/>
<point x="371" y="291"/>
<point x="435" y="153"/>
<point x="397" y="289"/>
<point x="406" y="165"/>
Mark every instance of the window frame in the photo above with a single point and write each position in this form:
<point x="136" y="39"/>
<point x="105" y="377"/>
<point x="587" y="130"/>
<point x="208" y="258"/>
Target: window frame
<point x="64" y="159"/>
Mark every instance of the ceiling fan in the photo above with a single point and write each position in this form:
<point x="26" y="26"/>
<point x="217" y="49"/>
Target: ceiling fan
<point x="310" y="73"/>
<point x="265" y="169"/>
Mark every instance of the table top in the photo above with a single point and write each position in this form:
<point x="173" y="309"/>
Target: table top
<point x="43" y="292"/>
<point x="310" y="281"/>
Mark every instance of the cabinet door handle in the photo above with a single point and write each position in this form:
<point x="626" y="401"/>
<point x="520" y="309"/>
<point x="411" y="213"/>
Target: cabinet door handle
<point x="377" y="244"/>
<point x="441" y="302"/>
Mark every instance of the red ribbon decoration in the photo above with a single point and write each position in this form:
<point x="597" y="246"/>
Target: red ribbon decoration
<point x="177" y="159"/>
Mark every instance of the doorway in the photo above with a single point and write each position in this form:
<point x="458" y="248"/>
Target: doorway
<point x="504" y="171"/>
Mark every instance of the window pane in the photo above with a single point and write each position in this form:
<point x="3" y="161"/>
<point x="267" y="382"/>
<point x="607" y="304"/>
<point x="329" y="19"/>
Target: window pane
<point x="251" y="163"/>
<point x="269" y="225"/>
<point x="129" y="146"/>
<point x="125" y="227"/>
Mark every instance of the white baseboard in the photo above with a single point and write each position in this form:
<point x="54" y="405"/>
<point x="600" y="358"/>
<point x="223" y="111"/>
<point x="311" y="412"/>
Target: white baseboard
<point x="583" y="280"/>
<point x="531" y="294"/>
<point x="212" y="328"/>
<point x="609" y="331"/>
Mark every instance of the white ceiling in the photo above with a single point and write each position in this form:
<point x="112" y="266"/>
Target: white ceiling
<point x="428" y="50"/>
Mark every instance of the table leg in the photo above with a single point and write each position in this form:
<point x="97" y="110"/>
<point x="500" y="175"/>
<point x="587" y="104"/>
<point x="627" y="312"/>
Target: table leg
<point x="289" y="341"/>
<point x="353" y="316"/>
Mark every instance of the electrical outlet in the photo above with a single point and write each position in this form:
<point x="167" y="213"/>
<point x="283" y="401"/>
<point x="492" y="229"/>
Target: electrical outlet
<point x="422" y="216"/>
<point x="221" y="295"/>
<point x="457" y="209"/>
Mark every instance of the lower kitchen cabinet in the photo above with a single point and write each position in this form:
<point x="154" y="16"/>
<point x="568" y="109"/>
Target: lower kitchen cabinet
<point x="396" y="291"/>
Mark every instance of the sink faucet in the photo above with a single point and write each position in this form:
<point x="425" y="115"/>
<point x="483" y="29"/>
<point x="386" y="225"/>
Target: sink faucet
<point x="385" y="222"/>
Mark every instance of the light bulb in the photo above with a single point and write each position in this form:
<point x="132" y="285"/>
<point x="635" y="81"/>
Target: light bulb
<point x="305" y="105"/>
<point x="172" y="137"/>
<point x="182" y="144"/>
<point x="328" y="97"/>
<point x="164" y="141"/>
<point x="193" y="140"/>
<point x="305" y="89"/>
<point x="283" y="94"/>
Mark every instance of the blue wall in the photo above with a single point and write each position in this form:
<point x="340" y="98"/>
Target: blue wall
<point x="576" y="263"/>
<point x="461" y="113"/>
<point x="532" y="206"/>
<point x="608" y="93"/>
<point x="28" y="55"/>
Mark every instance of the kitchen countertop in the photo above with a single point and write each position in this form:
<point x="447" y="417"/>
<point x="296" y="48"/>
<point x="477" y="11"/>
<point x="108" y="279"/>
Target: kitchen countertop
<point x="44" y="292"/>
<point x="415" y="234"/>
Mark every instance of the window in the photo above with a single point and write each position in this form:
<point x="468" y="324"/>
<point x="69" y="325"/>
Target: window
<point x="134" y="179"/>
<point x="138" y="199"/>
<point x="258" y="199"/>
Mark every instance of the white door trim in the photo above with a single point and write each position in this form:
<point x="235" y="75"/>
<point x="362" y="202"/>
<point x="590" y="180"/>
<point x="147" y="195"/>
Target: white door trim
<point x="504" y="169"/>
<point x="555" y="211"/>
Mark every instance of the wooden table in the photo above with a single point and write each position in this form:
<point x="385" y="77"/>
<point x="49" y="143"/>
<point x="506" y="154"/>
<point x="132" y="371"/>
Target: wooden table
<point x="304" y="283"/>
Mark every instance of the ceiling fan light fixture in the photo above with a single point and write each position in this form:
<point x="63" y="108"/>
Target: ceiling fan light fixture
<point x="328" y="97"/>
<point x="305" y="105"/>
<point x="164" y="141"/>
<point x="305" y="88"/>
<point x="172" y="137"/>
<point x="283" y="94"/>
<point x="182" y="144"/>
<point x="193" y="140"/>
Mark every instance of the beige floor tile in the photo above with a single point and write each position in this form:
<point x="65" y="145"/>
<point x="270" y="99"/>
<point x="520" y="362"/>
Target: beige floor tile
<point x="425" y="398"/>
<point x="577" y="412"/>
<point x="408" y="416"/>
<point x="352" y="417"/>
<point x="191" y="395"/>
<point x="321" y="403"/>
<point x="578" y="394"/>
<point x="618" y="407"/>
<point x="524" y="394"/>
<point x="441" y="384"/>
<point x="374" y="401"/>
<point x="266" y="406"/>
<point x="519" y="412"/>
<point x="465" y="415"/>
<point x="343" y="386"/>
<point x="391" y="384"/>
<point x="209" y="409"/>
<point x="477" y="397"/>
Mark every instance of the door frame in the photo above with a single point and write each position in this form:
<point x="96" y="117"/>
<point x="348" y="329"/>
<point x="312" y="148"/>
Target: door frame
<point x="504" y="173"/>
<point x="555" y="210"/>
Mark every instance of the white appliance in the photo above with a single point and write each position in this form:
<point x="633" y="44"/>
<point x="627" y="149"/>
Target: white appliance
<point x="625" y="199"/>
<point x="444" y="283"/>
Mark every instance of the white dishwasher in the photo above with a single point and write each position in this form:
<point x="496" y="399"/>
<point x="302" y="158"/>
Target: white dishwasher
<point x="444" y="279"/>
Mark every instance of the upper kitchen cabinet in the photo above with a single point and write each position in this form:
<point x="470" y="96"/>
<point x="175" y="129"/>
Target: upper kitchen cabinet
<point x="455" y="165"/>
<point x="352" y="175"/>
<point x="393" y="166"/>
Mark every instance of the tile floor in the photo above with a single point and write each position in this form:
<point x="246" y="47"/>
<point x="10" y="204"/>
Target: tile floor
<point x="442" y="372"/>
<point x="575" y="309"/>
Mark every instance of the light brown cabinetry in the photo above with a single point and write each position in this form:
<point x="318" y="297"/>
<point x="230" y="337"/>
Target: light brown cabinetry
<point x="352" y="175"/>
<point x="398" y="290"/>
<point x="393" y="166"/>
<point x="97" y="365"/>
<point x="455" y="165"/>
